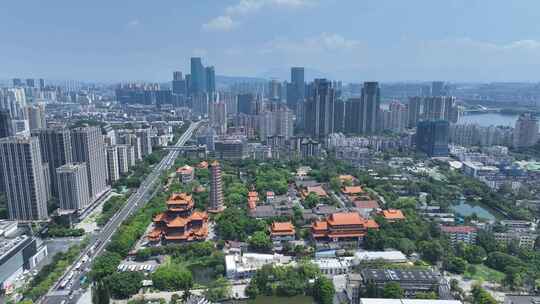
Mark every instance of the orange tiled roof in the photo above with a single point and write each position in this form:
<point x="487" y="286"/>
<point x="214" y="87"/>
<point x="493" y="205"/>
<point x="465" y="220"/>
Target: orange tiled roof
<point x="185" y="170"/>
<point x="282" y="226"/>
<point x="317" y="190"/>
<point x="178" y="222"/>
<point x="160" y="217"/>
<point x="371" y="204"/>
<point x="180" y="199"/>
<point x="202" y="165"/>
<point x="320" y="225"/>
<point x="371" y="224"/>
<point x="393" y="214"/>
<point x="352" y="190"/>
<point x="345" y="218"/>
<point x="253" y="194"/>
<point x="252" y="204"/>
<point x="346" y="177"/>
<point x="199" y="216"/>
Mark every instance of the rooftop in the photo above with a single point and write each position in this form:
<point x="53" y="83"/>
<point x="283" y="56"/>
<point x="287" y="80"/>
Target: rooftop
<point x="401" y="275"/>
<point x="393" y="214"/>
<point x="458" y="229"/>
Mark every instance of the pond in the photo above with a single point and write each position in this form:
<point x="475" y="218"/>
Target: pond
<point x="465" y="208"/>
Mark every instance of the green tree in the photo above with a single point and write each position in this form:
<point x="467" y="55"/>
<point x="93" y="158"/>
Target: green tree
<point x="323" y="290"/>
<point x="172" y="277"/>
<point x="100" y="293"/>
<point x="431" y="251"/>
<point x="513" y="277"/>
<point x="475" y="254"/>
<point x="480" y="296"/>
<point x="392" y="290"/>
<point x="105" y="265"/>
<point x="456" y="265"/>
<point x="123" y="285"/>
<point x="311" y="200"/>
<point x="218" y="290"/>
<point x="260" y="241"/>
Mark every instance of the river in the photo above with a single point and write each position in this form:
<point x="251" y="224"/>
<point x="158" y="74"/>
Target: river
<point x="489" y="119"/>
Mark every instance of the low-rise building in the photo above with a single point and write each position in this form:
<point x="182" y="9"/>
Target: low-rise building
<point x="465" y="234"/>
<point x="393" y="215"/>
<point x="282" y="231"/>
<point x="334" y="266"/>
<point x="186" y="174"/>
<point x="521" y="299"/>
<point x="411" y="281"/>
<point x="392" y="256"/>
<point x="523" y="239"/>
<point x="406" y="301"/>
<point x="344" y="226"/>
<point x="245" y="265"/>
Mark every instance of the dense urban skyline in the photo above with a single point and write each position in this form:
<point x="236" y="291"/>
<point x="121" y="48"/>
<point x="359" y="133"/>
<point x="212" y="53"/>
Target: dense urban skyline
<point x="360" y="40"/>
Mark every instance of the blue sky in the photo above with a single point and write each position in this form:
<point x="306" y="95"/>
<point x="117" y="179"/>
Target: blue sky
<point x="352" y="40"/>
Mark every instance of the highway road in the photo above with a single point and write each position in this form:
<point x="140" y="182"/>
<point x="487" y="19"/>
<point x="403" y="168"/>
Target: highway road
<point x="68" y="288"/>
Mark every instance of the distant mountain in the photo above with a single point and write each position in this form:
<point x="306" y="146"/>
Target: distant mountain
<point x="227" y="80"/>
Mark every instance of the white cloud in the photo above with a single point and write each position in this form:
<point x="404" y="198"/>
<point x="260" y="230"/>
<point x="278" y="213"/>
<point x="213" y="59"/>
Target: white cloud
<point x="220" y="23"/>
<point x="244" y="7"/>
<point x="322" y="43"/>
<point x="226" y="22"/>
<point x="133" y="23"/>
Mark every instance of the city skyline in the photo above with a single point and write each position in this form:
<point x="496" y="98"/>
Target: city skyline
<point x="367" y="40"/>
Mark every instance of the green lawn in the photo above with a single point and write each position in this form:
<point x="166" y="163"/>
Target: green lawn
<point x="486" y="274"/>
<point x="282" y="300"/>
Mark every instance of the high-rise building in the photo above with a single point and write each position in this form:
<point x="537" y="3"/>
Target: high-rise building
<point x="146" y="141"/>
<point x="6" y="126"/>
<point x="41" y="83"/>
<point x="371" y="104"/>
<point x="438" y="88"/>
<point x="124" y="158"/>
<point x="216" y="188"/>
<point x="36" y="117"/>
<point x="17" y="82"/>
<point x="210" y="79"/>
<point x="73" y="186"/>
<point x="525" y="131"/>
<point x="274" y="90"/>
<point x="14" y="101"/>
<point x="319" y="109"/>
<point x="218" y="117"/>
<point x="245" y="103"/>
<point x="415" y="110"/>
<point x="179" y="85"/>
<point x="296" y="92"/>
<point x="398" y="116"/>
<point x="112" y="164"/>
<point x="23" y="179"/>
<point x="339" y="116"/>
<point x="30" y="83"/>
<point x="56" y="151"/>
<point x="276" y="123"/>
<point x="432" y="138"/>
<point x="88" y="147"/>
<point x="198" y="76"/>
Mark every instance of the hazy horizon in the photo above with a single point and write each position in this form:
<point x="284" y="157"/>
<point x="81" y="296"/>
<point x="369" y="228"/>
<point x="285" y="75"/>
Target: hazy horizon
<point x="349" y="40"/>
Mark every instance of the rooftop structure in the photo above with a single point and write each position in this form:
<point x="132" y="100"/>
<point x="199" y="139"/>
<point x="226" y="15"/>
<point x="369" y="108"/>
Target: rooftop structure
<point x="315" y="189"/>
<point x="282" y="231"/>
<point x="186" y="174"/>
<point x="179" y="223"/>
<point x="406" y="301"/>
<point x="244" y="266"/>
<point x="387" y="256"/>
<point x="410" y="280"/>
<point x="466" y="234"/>
<point x="393" y="215"/>
<point x="342" y="226"/>
<point x="253" y="198"/>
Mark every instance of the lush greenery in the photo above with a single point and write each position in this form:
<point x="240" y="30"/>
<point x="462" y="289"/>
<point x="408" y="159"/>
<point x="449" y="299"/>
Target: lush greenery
<point x="235" y="224"/>
<point x="172" y="277"/>
<point x="288" y="281"/>
<point x="110" y="207"/>
<point x="50" y="273"/>
<point x="138" y="172"/>
<point x="122" y="285"/>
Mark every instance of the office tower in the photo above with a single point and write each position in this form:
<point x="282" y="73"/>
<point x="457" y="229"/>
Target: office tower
<point x="123" y="158"/>
<point x="216" y="191"/>
<point x="55" y="145"/>
<point x="14" y="101"/>
<point x="198" y="76"/>
<point x="36" y="117"/>
<point x="6" y="127"/>
<point x="88" y="147"/>
<point x="296" y="91"/>
<point x="353" y="116"/>
<point x="398" y="116"/>
<point x="440" y="108"/>
<point x="371" y="102"/>
<point x="200" y="103"/>
<point x="41" y="83"/>
<point x="16" y="82"/>
<point x="179" y="86"/>
<point x="415" y="110"/>
<point x="276" y="123"/>
<point x="230" y="101"/>
<point x="245" y="103"/>
<point x="30" y="82"/>
<point x="210" y="78"/>
<point x="218" y="117"/>
<point x="319" y="109"/>
<point x="464" y="135"/>
<point x="112" y="164"/>
<point x="432" y="138"/>
<point x="146" y="141"/>
<point x="22" y="176"/>
<point x="73" y="193"/>
<point x="339" y="116"/>
<point x="274" y="90"/>
<point x="525" y="131"/>
<point x="438" y="88"/>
